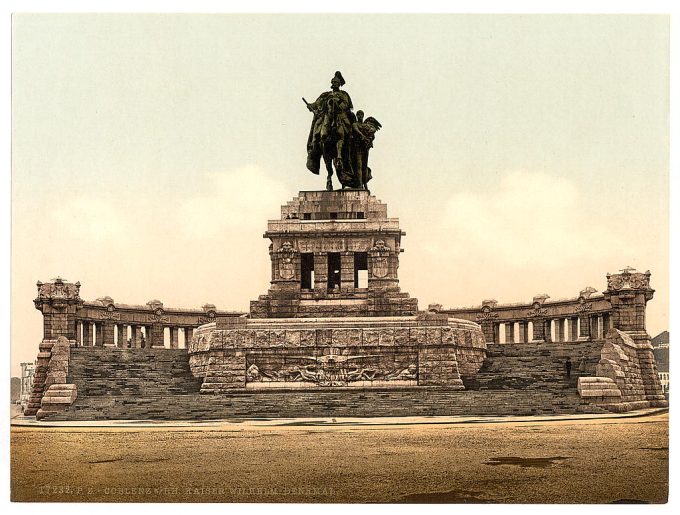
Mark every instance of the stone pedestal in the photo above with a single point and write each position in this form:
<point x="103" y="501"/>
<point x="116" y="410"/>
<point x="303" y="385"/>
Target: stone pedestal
<point x="364" y="352"/>
<point x="336" y="236"/>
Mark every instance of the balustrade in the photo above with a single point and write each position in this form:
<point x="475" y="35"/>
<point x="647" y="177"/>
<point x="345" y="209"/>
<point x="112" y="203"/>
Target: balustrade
<point x="586" y="317"/>
<point x="103" y="323"/>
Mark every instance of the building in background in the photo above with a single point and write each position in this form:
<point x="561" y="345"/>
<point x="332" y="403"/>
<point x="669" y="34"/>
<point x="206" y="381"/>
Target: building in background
<point x="27" y="373"/>
<point x="660" y="344"/>
<point x="15" y="389"/>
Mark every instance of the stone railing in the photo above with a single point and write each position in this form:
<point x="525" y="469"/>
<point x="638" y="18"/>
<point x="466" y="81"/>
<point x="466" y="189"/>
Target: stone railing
<point x="104" y="322"/>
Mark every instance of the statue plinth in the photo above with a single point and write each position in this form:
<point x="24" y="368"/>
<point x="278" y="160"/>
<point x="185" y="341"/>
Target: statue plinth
<point x="334" y="254"/>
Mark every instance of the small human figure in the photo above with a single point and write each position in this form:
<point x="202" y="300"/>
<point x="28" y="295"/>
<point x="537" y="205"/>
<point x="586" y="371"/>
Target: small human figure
<point x="567" y="367"/>
<point x="143" y="342"/>
<point x="582" y="365"/>
<point x="129" y="343"/>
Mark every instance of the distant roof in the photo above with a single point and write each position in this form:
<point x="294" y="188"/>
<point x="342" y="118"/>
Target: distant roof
<point x="660" y="339"/>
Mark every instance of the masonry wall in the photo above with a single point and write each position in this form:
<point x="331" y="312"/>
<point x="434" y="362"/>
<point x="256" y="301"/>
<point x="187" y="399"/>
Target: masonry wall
<point x="426" y="350"/>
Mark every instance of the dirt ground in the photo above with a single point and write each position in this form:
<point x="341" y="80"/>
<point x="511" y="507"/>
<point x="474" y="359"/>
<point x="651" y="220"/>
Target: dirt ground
<point x="570" y="461"/>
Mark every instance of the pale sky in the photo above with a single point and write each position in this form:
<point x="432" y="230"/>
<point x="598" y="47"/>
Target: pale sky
<point x="523" y="154"/>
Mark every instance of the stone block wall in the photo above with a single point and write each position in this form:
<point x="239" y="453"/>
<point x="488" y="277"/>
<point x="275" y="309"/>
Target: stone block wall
<point x="226" y="370"/>
<point x="394" y="351"/>
<point x="627" y="364"/>
<point x="50" y="389"/>
<point x="599" y="390"/>
<point x="438" y="366"/>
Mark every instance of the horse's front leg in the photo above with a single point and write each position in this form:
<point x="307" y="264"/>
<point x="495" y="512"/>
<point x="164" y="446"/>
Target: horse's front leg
<point x="329" y="169"/>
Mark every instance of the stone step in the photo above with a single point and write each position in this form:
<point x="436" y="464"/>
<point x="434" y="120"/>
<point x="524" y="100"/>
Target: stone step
<point x="336" y="403"/>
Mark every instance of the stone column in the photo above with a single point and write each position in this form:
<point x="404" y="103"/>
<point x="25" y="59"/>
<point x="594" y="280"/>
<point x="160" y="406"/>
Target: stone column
<point x="347" y="271"/>
<point x="559" y="330"/>
<point x="174" y="338"/>
<point x="79" y="334"/>
<point x="488" y="330"/>
<point x="122" y="336"/>
<point x="573" y="329"/>
<point x="584" y="330"/>
<point x="607" y="324"/>
<point x="320" y="272"/>
<point x="593" y="327"/>
<point x="539" y="330"/>
<point x="107" y="333"/>
<point x="523" y="331"/>
<point x="509" y="332"/>
<point x="87" y="334"/>
<point x="156" y="336"/>
<point x="547" y="330"/>
<point x="136" y="335"/>
<point x="99" y="328"/>
<point x="188" y="335"/>
<point x="496" y="333"/>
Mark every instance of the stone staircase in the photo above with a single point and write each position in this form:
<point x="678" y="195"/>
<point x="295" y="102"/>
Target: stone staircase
<point x="535" y="369"/>
<point x="130" y="375"/>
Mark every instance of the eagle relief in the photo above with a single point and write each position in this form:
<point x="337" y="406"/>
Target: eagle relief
<point x="331" y="369"/>
<point x="380" y="264"/>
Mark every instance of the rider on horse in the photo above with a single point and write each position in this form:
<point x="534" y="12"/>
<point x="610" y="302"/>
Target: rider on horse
<point x="330" y="133"/>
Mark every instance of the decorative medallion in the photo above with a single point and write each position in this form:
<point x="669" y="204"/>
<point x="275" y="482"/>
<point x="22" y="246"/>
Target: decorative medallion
<point x="583" y="307"/>
<point x="157" y="317"/>
<point x="537" y="312"/>
<point x="207" y="319"/>
<point x="485" y="316"/>
<point x="109" y="314"/>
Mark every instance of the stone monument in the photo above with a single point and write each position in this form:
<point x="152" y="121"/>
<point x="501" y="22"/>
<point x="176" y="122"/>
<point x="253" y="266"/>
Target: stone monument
<point x="335" y="333"/>
<point x="334" y="315"/>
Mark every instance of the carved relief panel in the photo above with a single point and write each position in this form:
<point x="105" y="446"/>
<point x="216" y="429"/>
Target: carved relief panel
<point x="331" y="368"/>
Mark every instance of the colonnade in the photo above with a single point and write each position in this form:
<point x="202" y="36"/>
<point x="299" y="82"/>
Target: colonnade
<point x="91" y="333"/>
<point x="548" y="329"/>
